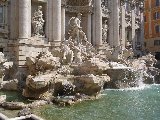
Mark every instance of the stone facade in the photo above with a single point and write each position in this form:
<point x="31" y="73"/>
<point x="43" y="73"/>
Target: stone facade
<point x="111" y="23"/>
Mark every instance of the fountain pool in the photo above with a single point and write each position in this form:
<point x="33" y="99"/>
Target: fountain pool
<point x="126" y="104"/>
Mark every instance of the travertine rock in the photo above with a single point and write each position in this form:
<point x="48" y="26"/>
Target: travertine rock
<point x="90" y="84"/>
<point x="2" y="58"/>
<point x="127" y="53"/>
<point x="2" y="61"/>
<point x="121" y="78"/>
<point x="24" y="112"/>
<point x="2" y="98"/>
<point x="149" y="59"/>
<point x="37" y="103"/>
<point x="38" y="86"/>
<point x="13" y="105"/>
<point x="41" y="62"/>
<point x="11" y="85"/>
<point x="64" y="87"/>
<point x="94" y="66"/>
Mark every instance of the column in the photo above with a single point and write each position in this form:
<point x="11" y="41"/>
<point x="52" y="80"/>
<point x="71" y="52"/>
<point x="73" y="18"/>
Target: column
<point x="93" y="30"/>
<point x="123" y="26"/>
<point x="142" y="30"/>
<point x="14" y="20"/>
<point x="63" y="14"/>
<point x="56" y="22"/>
<point x="98" y="23"/>
<point x="89" y="27"/>
<point x="114" y="23"/>
<point x="110" y="25"/>
<point x="24" y="19"/>
<point x="133" y="30"/>
<point x="49" y="20"/>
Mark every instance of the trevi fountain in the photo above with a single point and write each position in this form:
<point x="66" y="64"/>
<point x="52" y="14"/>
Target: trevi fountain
<point x="76" y="60"/>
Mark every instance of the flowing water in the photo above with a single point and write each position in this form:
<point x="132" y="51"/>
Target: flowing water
<point x="127" y="104"/>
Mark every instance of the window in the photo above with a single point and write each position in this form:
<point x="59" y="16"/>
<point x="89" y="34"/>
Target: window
<point x="3" y="13"/>
<point x="156" y="42"/>
<point x="157" y="28"/>
<point x="156" y="15"/>
<point x="157" y="2"/>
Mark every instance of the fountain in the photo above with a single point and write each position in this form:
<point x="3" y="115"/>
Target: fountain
<point x="78" y="73"/>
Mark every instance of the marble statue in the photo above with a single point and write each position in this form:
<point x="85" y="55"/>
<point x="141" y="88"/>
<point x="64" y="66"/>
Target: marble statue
<point x="38" y="22"/>
<point x="67" y="52"/>
<point x="76" y="33"/>
<point x="105" y="31"/>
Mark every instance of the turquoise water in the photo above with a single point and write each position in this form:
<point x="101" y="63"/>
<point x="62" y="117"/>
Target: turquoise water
<point x="13" y="96"/>
<point x="134" y="104"/>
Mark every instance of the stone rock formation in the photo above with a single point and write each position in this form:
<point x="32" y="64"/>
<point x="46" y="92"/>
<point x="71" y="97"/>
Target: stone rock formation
<point x="38" y="86"/>
<point x="41" y="62"/>
<point x="37" y="103"/>
<point x="2" y="61"/>
<point x="90" y="84"/>
<point x="24" y="112"/>
<point x="2" y="98"/>
<point x="11" y="85"/>
<point x="7" y="70"/>
<point x="13" y="105"/>
<point x="94" y="66"/>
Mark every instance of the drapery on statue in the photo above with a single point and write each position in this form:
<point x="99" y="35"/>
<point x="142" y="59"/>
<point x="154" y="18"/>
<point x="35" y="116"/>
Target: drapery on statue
<point x="38" y="22"/>
<point x="76" y="33"/>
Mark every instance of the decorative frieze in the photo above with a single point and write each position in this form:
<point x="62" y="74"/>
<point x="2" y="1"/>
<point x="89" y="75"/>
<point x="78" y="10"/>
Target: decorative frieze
<point x="79" y="9"/>
<point x="77" y="2"/>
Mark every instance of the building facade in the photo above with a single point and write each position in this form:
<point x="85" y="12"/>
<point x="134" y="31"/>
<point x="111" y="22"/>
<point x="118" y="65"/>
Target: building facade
<point x="152" y="25"/>
<point x="37" y="25"/>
